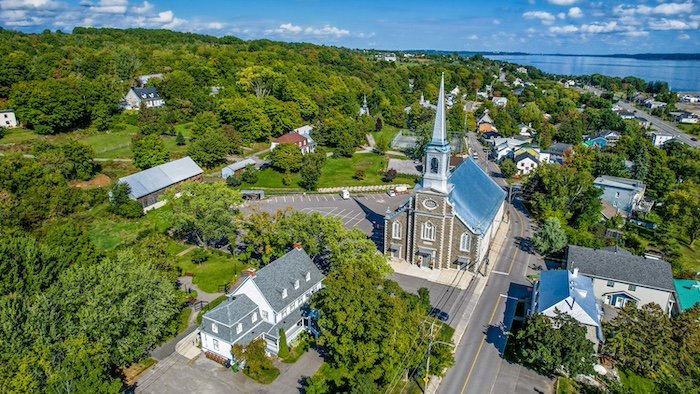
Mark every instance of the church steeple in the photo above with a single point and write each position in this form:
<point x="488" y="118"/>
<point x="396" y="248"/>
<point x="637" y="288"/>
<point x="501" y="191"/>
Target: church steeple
<point x="437" y="153"/>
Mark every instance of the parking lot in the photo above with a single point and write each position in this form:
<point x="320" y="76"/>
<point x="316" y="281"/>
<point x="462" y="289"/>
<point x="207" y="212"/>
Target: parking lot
<point x="363" y="211"/>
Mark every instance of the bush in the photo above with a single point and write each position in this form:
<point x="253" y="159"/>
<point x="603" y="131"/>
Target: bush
<point x="359" y="174"/>
<point x="284" y="349"/>
<point x="234" y="181"/>
<point x="389" y="175"/>
<point x="43" y="130"/>
<point x="199" y="256"/>
<point x="250" y="175"/>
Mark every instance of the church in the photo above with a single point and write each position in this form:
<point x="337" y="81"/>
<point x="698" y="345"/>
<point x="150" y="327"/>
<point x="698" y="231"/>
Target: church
<point x="452" y="218"/>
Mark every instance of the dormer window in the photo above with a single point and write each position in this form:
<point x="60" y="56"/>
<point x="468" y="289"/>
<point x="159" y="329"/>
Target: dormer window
<point x="239" y="328"/>
<point x="296" y="284"/>
<point x="308" y="276"/>
<point x="150" y="95"/>
<point x="143" y="95"/>
<point x="214" y="328"/>
<point x="284" y="293"/>
<point x="255" y="317"/>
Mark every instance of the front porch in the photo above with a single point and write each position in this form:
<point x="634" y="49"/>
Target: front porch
<point x="293" y="324"/>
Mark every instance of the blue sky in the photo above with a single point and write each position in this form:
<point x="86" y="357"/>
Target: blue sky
<point x="563" y="26"/>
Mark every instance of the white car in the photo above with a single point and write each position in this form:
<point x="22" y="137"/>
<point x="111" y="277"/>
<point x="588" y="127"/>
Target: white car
<point x="345" y="195"/>
<point x="391" y="193"/>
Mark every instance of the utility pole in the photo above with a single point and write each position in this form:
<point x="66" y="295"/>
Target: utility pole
<point x="430" y="348"/>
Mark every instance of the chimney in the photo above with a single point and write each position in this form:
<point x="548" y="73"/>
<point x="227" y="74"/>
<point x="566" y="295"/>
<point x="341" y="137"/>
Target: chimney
<point x="575" y="273"/>
<point x="297" y="246"/>
<point x="249" y="272"/>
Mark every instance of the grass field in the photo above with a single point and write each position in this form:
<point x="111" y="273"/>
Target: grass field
<point x="636" y="383"/>
<point x="220" y="269"/>
<point x="107" y="231"/>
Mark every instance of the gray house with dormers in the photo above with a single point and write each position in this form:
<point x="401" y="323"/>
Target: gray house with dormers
<point x="149" y="97"/>
<point x="451" y="220"/>
<point x="268" y="300"/>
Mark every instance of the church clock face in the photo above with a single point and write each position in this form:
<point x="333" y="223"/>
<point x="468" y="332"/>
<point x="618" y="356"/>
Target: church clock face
<point x="430" y="204"/>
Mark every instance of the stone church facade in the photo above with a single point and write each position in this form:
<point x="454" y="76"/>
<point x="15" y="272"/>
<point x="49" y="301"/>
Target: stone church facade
<point x="451" y="219"/>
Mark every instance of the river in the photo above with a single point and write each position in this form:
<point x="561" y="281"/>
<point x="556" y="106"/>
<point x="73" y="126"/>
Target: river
<point x="681" y="75"/>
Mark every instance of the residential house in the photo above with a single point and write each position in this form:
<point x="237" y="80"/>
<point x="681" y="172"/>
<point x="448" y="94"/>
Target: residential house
<point x="143" y="79"/>
<point x="526" y="160"/>
<point x="452" y="218"/>
<point x="8" y="119"/>
<point x="626" y="114"/>
<point x="148" y="96"/>
<point x="485" y="128"/>
<point x="489" y="135"/>
<point x="484" y="118"/>
<point x="522" y="70"/>
<point x="643" y="122"/>
<point x="471" y="106"/>
<point x="620" y="277"/>
<point x="659" y="138"/>
<point x="653" y="104"/>
<point x="519" y="91"/>
<point x="687" y="117"/>
<point x="598" y="142"/>
<point x="688" y="292"/>
<point x="621" y="196"/>
<point x="556" y="153"/>
<point x="272" y="299"/>
<point x="500" y="101"/>
<point x="504" y="147"/>
<point x="568" y="293"/>
<point x="236" y="168"/>
<point x="569" y="83"/>
<point x="390" y="57"/>
<point x="603" y="139"/>
<point x="526" y="130"/>
<point x="687" y="98"/>
<point x="147" y="185"/>
<point x="301" y="137"/>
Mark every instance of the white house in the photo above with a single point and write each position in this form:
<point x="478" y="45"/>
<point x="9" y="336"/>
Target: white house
<point x="619" y="277"/>
<point x="568" y="293"/>
<point x="690" y="99"/>
<point x="526" y="160"/>
<point x="272" y="299"/>
<point x="500" y="101"/>
<point x="8" y="119"/>
<point x="658" y="137"/>
<point x="555" y="153"/>
<point x="504" y="147"/>
<point x="390" y="57"/>
<point x="522" y="70"/>
<point x="148" y="96"/>
<point x="653" y="104"/>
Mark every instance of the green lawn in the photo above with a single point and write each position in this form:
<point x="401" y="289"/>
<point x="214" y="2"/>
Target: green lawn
<point x="220" y="269"/>
<point x="266" y="376"/>
<point x="107" y="231"/>
<point x="636" y="383"/>
<point x="388" y="133"/>
<point x="690" y="258"/>
<point x="566" y="386"/>
<point x="18" y="136"/>
<point x="690" y="128"/>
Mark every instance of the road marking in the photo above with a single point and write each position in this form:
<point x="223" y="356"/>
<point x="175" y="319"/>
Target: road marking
<point x="285" y="198"/>
<point x="483" y="341"/>
<point x="318" y="198"/>
<point x="500" y="273"/>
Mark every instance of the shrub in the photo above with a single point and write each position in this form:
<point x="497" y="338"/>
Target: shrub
<point x="359" y="174"/>
<point x="234" y="181"/>
<point x="199" y="256"/>
<point x="250" y="175"/>
<point x="389" y="175"/>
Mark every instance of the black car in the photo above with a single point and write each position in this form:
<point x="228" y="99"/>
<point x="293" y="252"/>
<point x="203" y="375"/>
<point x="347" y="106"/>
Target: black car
<point x="440" y="315"/>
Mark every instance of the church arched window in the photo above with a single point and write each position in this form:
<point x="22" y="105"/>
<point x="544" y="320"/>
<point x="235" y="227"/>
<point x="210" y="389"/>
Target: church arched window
<point x="396" y="230"/>
<point x="434" y="165"/>
<point x="464" y="242"/>
<point x="428" y="232"/>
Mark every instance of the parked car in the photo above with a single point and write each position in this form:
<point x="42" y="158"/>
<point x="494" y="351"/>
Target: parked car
<point x="391" y="193"/>
<point x="439" y="314"/>
<point x="345" y="195"/>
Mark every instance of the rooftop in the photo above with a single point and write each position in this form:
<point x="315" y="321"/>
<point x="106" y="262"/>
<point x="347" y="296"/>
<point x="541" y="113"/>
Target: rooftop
<point x="573" y="288"/>
<point x="147" y="93"/>
<point x="688" y="291"/>
<point x="475" y="196"/>
<point x="620" y="183"/>
<point x="619" y="266"/>
<point x="291" y="138"/>
<point x="157" y="178"/>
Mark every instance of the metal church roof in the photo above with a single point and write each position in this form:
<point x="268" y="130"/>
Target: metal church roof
<point x="475" y="196"/>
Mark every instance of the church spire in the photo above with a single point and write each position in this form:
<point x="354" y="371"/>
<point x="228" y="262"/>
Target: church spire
<point x="439" y="130"/>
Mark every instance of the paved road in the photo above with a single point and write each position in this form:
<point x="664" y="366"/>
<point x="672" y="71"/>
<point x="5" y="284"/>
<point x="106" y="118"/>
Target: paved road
<point x="479" y="366"/>
<point x="662" y="125"/>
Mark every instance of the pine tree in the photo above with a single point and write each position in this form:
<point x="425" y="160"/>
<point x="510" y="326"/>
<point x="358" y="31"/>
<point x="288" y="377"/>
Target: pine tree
<point x="284" y="349"/>
<point x="180" y="139"/>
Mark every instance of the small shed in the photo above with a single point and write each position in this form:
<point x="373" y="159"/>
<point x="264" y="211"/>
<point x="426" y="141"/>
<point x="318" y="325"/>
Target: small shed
<point x="253" y="194"/>
<point x="236" y="168"/>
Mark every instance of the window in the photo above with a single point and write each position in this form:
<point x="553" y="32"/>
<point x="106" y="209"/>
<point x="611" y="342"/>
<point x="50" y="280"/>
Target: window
<point x="434" y="165"/>
<point x="611" y="283"/>
<point x="308" y="276"/>
<point x="214" y="328"/>
<point x="632" y="287"/>
<point x="215" y="343"/>
<point x="464" y="242"/>
<point x="284" y="293"/>
<point x="396" y="230"/>
<point x="296" y="284"/>
<point x="239" y="328"/>
<point x="428" y="232"/>
<point x="264" y="314"/>
<point x="255" y="317"/>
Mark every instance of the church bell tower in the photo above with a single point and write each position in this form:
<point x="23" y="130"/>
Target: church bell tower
<point x="437" y="153"/>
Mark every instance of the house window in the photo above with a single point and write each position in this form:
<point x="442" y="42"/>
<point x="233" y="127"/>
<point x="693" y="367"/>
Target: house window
<point x="214" y="328"/>
<point x="632" y="287"/>
<point x="284" y="293"/>
<point x="428" y="232"/>
<point x="434" y="165"/>
<point x="296" y="284"/>
<point x="264" y="314"/>
<point x="239" y="328"/>
<point x="611" y="283"/>
<point x="464" y="241"/>
<point x="308" y="276"/>
<point x="396" y="230"/>
<point x="255" y="317"/>
<point x="215" y="343"/>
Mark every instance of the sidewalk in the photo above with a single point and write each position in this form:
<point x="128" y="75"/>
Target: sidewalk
<point x="443" y="277"/>
<point x="480" y="284"/>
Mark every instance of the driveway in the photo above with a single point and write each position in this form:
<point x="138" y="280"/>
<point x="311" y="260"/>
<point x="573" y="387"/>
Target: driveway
<point x="177" y="374"/>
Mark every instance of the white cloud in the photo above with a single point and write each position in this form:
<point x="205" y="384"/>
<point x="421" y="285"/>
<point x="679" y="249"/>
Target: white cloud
<point x="561" y="15"/>
<point x="290" y="29"/>
<point x="29" y="4"/>
<point x="672" y="24"/>
<point x="543" y="16"/>
<point x="214" y="25"/>
<point x="575" y="12"/>
<point x="661" y="9"/>
<point x="684" y="37"/>
<point x="636" y="33"/>
<point x="327" y="31"/>
<point x="561" y="2"/>
<point x="568" y="29"/>
<point x="164" y="17"/>
<point x="108" y="6"/>
<point x="473" y="37"/>
<point x="146" y="8"/>
<point x="595" y="28"/>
